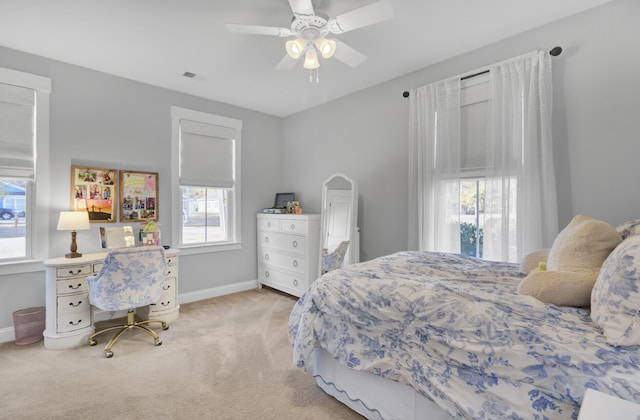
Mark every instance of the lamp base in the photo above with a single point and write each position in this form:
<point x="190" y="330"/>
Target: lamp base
<point x="73" y="255"/>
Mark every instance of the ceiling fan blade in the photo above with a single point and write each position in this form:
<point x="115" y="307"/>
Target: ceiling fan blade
<point x="348" y="55"/>
<point x="301" y="8"/>
<point x="366" y="15"/>
<point x="257" y="30"/>
<point x="287" y="63"/>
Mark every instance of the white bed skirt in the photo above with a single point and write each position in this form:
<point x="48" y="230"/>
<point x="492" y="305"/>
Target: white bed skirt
<point x="372" y="396"/>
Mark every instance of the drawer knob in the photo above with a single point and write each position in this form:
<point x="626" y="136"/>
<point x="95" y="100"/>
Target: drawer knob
<point x="166" y="287"/>
<point x="293" y="226"/>
<point x="266" y="257"/>
<point x="75" y="305"/>
<point x="71" y="286"/>
<point x="266" y="274"/>
<point x="165" y="304"/>
<point x="75" y="323"/>
<point x="74" y="272"/>
<point x="295" y="282"/>
<point x="295" y="244"/>
<point x="295" y="263"/>
<point x="266" y="239"/>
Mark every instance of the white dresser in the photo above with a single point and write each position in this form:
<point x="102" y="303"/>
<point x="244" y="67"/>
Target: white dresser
<point x="69" y="318"/>
<point x="288" y="251"/>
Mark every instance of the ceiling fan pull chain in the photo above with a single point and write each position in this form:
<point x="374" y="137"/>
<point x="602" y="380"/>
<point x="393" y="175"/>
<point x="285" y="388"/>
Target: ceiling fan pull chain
<point x="317" y="75"/>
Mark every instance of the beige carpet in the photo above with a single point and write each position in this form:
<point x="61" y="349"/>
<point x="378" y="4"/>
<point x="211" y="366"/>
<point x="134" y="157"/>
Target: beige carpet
<point x="224" y="358"/>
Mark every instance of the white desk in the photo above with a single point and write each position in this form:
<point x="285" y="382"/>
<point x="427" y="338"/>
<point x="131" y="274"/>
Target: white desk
<point x="69" y="317"/>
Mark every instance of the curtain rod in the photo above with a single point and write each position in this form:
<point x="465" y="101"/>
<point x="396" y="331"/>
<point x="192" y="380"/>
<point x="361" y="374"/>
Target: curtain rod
<point x="555" y="51"/>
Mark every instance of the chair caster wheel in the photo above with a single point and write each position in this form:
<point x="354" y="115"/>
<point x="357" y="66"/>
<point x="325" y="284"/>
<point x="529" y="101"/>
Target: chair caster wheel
<point x="92" y="342"/>
<point x="108" y="354"/>
<point x="158" y="342"/>
<point x="165" y="327"/>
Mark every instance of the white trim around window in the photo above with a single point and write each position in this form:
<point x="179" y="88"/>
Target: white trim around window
<point x="179" y="114"/>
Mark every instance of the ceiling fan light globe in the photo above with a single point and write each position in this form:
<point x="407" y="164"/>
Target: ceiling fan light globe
<point x="295" y="47"/>
<point x="311" y="59"/>
<point x="326" y="47"/>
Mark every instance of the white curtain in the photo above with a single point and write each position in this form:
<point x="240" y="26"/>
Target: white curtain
<point x="434" y="167"/>
<point x="520" y="198"/>
<point x="520" y="195"/>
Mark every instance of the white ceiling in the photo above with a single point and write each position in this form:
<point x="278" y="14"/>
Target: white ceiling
<point x="156" y="41"/>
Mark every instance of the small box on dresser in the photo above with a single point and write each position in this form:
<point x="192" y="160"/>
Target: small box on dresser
<point x="288" y="251"/>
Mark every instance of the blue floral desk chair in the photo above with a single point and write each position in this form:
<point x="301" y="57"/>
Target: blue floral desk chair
<point x="129" y="278"/>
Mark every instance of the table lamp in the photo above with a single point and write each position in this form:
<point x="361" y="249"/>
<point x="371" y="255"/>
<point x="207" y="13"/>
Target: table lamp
<point x="73" y="221"/>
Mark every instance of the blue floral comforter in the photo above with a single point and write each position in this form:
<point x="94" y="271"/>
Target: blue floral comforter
<point x="455" y="329"/>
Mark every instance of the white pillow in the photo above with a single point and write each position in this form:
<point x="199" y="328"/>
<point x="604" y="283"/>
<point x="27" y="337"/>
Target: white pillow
<point x="615" y="298"/>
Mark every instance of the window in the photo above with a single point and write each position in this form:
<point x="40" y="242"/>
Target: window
<point x="495" y="134"/>
<point x="206" y="150"/>
<point x="24" y="146"/>
<point x="474" y="102"/>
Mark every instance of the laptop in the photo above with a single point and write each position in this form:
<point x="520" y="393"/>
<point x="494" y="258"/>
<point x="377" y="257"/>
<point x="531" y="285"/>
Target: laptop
<point x="280" y="205"/>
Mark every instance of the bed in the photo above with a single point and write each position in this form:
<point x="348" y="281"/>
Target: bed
<point x="434" y="335"/>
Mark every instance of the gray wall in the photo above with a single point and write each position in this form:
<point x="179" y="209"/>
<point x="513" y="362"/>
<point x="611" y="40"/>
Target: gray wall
<point x="110" y="122"/>
<point x="596" y="109"/>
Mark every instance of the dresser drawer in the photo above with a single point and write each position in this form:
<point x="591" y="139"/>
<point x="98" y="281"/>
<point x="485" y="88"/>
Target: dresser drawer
<point x="269" y="225"/>
<point x="74" y="285"/>
<point x="76" y="270"/>
<point x="73" y="321"/>
<point x="288" y="262"/>
<point x="285" y="242"/>
<point x="298" y="227"/>
<point x="73" y="303"/>
<point x="286" y="281"/>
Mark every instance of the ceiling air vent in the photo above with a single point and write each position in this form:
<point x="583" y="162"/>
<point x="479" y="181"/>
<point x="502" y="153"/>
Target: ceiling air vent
<point x="189" y="74"/>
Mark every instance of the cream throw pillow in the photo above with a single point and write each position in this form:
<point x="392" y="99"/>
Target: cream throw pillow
<point x="573" y="264"/>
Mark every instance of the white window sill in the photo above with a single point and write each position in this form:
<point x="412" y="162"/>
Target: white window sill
<point x="209" y="248"/>
<point x="24" y="266"/>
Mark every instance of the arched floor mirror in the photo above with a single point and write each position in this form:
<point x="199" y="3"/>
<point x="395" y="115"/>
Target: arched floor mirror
<point x="339" y="223"/>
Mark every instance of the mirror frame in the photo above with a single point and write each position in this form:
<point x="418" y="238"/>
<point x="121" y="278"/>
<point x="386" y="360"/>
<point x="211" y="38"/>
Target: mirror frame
<point x="354" y="247"/>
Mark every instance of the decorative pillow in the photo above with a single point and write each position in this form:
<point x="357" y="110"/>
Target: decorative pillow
<point x="573" y="264"/>
<point x="615" y="300"/>
<point x="628" y="229"/>
<point x="532" y="260"/>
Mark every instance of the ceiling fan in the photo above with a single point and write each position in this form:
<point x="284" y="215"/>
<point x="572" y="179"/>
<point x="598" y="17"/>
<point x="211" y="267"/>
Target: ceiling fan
<point x="310" y="29"/>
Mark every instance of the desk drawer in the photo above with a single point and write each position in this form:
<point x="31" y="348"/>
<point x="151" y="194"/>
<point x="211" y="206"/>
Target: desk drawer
<point x="74" y="303"/>
<point x="74" y="285"/>
<point x="75" y="270"/>
<point x="73" y="321"/>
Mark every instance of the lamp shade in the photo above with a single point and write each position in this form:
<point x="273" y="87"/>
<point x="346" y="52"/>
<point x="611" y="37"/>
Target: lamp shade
<point x="295" y="47"/>
<point x="74" y="220"/>
<point x="326" y="47"/>
<point x="311" y="59"/>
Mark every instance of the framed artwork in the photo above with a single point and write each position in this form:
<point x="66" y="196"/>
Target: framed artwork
<point x="94" y="190"/>
<point x="138" y="196"/>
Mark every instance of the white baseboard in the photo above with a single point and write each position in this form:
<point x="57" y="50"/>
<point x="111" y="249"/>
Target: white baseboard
<point x="217" y="291"/>
<point x="8" y="334"/>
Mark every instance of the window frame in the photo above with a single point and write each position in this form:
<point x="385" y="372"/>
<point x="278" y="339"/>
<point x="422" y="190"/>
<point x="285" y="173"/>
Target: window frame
<point x="235" y="221"/>
<point x="37" y="211"/>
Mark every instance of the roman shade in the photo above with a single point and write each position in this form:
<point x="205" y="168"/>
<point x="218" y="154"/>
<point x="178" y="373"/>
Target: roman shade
<point x="17" y="132"/>
<point x="206" y="155"/>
